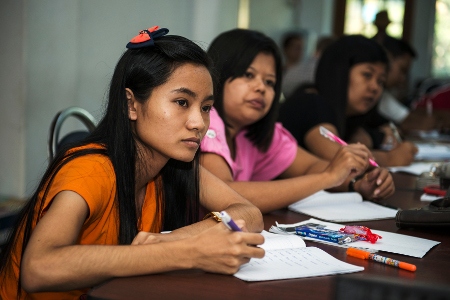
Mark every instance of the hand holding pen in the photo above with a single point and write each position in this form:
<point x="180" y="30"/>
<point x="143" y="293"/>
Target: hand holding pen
<point x="228" y="221"/>
<point x="329" y="135"/>
<point x="395" y="132"/>
<point x="220" y="250"/>
<point x="376" y="183"/>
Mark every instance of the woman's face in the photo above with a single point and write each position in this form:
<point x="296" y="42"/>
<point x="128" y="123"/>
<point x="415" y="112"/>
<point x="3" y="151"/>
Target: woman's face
<point x="248" y="98"/>
<point x="174" y="119"/>
<point x="366" y="83"/>
<point x="398" y="73"/>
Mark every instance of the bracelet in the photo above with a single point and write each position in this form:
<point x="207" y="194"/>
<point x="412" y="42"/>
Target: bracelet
<point x="215" y="215"/>
<point x="351" y="184"/>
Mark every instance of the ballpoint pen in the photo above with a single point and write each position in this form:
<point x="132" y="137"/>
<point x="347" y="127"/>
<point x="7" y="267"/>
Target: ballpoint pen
<point x="395" y="132"/>
<point x="385" y="260"/>
<point x="329" y="135"/>
<point x="228" y="221"/>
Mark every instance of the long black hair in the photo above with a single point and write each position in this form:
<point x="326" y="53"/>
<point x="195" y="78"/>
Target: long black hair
<point x="232" y="53"/>
<point x="333" y="69"/>
<point x="177" y="186"/>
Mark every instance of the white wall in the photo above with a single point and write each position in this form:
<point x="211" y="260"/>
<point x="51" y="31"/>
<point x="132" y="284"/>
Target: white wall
<point x="280" y="13"/>
<point x="72" y="48"/>
<point x="276" y="17"/>
<point x="12" y="98"/>
<point x="60" y="53"/>
<point x="422" y="39"/>
<point x="317" y="19"/>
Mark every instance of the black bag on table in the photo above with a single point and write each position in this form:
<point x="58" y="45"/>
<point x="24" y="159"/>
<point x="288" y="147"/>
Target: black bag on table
<point x="434" y="215"/>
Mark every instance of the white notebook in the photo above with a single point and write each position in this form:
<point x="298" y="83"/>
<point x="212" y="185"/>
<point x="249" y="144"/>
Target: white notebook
<point x="288" y="257"/>
<point x="341" y="207"/>
<point x="415" y="168"/>
<point x="433" y="152"/>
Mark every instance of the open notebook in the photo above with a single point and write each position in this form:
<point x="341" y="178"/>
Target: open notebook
<point x="341" y="207"/>
<point x="288" y="257"/>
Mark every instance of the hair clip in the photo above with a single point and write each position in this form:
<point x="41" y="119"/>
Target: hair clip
<point x="146" y="37"/>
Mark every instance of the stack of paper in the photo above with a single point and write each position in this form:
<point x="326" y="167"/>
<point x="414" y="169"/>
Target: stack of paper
<point x="288" y="257"/>
<point x="341" y="207"/>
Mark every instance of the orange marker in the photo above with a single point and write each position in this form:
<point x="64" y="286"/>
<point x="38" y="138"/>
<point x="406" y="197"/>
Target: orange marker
<point x="385" y="260"/>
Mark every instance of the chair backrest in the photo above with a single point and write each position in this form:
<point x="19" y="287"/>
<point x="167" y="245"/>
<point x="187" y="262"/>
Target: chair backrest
<point x="359" y="287"/>
<point x="54" y="142"/>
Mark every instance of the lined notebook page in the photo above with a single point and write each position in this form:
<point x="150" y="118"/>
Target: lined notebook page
<point x="289" y="259"/>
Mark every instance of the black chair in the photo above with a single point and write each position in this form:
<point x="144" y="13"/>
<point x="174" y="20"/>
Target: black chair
<point x="383" y="288"/>
<point x="54" y="141"/>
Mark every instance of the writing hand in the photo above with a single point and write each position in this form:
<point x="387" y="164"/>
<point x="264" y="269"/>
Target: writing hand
<point x="376" y="184"/>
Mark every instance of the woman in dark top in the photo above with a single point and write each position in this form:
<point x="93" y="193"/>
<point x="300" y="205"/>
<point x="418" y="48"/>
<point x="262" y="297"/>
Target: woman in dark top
<point x="350" y="78"/>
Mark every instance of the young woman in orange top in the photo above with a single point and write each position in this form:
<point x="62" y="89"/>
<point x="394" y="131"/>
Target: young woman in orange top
<point x="137" y="174"/>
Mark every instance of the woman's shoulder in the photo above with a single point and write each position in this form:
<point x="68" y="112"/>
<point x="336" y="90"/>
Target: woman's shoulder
<point x="215" y="121"/>
<point x="302" y="103"/>
<point x="216" y="132"/>
<point x="87" y="162"/>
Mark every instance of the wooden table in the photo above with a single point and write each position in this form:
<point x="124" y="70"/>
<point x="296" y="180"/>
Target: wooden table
<point x="432" y="269"/>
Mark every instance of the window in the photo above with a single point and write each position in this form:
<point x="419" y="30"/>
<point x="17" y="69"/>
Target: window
<point x="441" y="44"/>
<point x="360" y="14"/>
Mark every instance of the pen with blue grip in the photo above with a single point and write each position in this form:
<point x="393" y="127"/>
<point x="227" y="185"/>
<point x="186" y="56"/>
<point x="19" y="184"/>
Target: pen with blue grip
<point x="228" y="221"/>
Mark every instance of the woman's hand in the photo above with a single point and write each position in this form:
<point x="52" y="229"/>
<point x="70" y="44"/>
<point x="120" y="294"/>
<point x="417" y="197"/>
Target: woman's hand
<point x="349" y="161"/>
<point x="221" y="250"/>
<point x="389" y="140"/>
<point x="402" y="155"/>
<point x="375" y="184"/>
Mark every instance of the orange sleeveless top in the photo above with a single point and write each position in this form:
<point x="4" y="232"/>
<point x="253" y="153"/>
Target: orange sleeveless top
<point x="93" y="178"/>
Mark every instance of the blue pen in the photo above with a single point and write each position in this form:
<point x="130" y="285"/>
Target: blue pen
<point x="228" y="221"/>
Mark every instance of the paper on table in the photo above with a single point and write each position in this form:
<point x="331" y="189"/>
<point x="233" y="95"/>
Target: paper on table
<point x="433" y="152"/>
<point x="390" y="242"/>
<point x="341" y="207"/>
<point x="416" y="168"/>
<point x="428" y="197"/>
<point x="290" y="258"/>
<point x="276" y="241"/>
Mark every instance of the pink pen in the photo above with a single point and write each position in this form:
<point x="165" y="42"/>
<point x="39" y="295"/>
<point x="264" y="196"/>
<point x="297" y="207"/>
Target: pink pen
<point x="328" y="134"/>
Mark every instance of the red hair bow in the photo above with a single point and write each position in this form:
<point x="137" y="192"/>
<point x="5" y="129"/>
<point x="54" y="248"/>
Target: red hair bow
<point x="146" y="37"/>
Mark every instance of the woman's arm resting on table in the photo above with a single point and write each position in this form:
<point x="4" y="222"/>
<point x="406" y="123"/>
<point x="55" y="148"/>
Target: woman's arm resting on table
<point x="54" y="262"/>
<point x="216" y="195"/>
<point x="306" y="175"/>
<point x="379" y="186"/>
<point x="376" y="184"/>
<point x="402" y="155"/>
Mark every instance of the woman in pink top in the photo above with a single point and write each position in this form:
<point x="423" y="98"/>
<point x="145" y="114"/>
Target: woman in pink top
<point x="246" y="148"/>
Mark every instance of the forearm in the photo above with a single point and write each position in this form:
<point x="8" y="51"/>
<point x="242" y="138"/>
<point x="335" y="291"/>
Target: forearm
<point x="249" y="213"/>
<point x="80" y="266"/>
<point x="276" y="194"/>
<point x="382" y="157"/>
<point x="319" y="167"/>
